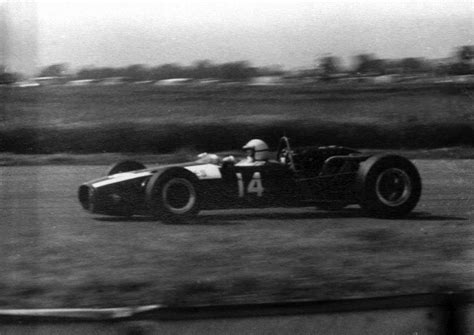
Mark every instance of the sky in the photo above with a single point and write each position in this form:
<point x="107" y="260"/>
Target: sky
<point x="289" y="33"/>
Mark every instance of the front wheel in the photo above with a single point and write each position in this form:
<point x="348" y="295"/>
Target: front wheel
<point x="173" y="196"/>
<point x="389" y="186"/>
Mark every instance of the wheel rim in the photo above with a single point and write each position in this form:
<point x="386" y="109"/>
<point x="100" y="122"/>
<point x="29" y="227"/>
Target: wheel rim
<point x="393" y="187"/>
<point x="179" y="195"/>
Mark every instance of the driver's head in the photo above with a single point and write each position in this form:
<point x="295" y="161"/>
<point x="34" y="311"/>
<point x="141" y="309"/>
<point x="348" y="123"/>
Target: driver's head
<point x="257" y="150"/>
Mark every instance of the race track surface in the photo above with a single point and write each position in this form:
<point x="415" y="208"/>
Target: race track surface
<point x="54" y="254"/>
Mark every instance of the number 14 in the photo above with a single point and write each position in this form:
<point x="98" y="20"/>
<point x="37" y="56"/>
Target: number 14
<point x="254" y="186"/>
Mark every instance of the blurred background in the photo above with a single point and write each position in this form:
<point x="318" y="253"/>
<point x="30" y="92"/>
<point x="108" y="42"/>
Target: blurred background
<point x="259" y="42"/>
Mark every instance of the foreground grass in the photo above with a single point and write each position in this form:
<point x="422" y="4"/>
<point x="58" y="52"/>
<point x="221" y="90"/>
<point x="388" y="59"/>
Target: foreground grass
<point x="228" y="261"/>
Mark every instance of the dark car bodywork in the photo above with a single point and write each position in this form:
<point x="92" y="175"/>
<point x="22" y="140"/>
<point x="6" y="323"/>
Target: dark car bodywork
<point x="328" y="177"/>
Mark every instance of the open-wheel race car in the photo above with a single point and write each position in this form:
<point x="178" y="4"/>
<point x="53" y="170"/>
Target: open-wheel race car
<point x="330" y="178"/>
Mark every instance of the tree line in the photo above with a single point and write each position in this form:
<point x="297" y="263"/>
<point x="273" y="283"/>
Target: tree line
<point x="326" y="67"/>
<point x="203" y="69"/>
<point x="461" y="63"/>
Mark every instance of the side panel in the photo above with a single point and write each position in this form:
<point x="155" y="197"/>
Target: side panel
<point x="268" y="185"/>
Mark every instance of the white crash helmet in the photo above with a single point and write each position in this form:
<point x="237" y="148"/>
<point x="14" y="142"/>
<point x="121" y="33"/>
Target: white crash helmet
<point x="260" y="149"/>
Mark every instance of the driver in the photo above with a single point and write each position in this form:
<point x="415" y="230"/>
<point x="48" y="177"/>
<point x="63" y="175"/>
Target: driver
<point x="257" y="152"/>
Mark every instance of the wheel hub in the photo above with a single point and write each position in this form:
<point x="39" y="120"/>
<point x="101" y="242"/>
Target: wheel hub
<point x="393" y="187"/>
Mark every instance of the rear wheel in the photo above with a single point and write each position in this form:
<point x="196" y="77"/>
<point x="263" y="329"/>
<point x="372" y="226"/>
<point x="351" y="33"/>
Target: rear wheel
<point x="126" y="166"/>
<point x="173" y="196"/>
<point x="389" y="186"/>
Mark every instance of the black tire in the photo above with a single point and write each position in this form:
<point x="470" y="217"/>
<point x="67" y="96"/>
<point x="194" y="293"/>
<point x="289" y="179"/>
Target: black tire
<point x="388" y="186"/>
<point x="173" y="196"/>
<point x="331" y="206"/>
<point x="126" y="166"/>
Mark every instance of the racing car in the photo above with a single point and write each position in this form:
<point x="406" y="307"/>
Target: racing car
<point x="329" y="178"/>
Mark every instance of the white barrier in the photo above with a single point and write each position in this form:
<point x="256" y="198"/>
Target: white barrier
<point x="417" y="314"/>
